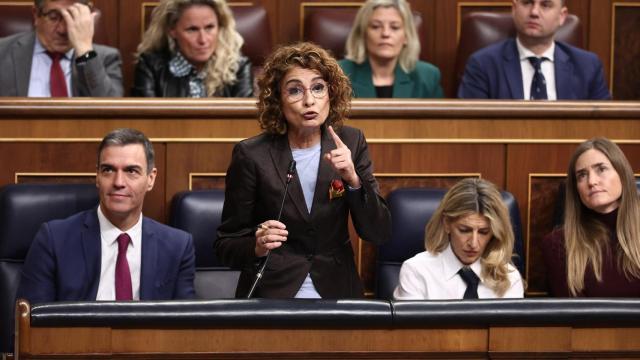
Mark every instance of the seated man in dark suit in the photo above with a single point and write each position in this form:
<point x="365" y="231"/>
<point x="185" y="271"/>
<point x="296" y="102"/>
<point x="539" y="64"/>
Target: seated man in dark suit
<point x="59" y="58"/>
<point x="112" y="252"/>
<point x="533" y="65"/>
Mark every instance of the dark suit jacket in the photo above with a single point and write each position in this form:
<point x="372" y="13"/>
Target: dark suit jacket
<point x="153" y="79"/>
<point x="63" y="263"/>
<point x="318" y="243"/>
<point x="422" y="82"/>
<point x="98" y="77"/>
<point x="494" y="73"/>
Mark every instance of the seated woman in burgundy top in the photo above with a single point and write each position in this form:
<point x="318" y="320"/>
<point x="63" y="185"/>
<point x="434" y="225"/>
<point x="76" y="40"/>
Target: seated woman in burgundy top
<point x="597" y="250"/>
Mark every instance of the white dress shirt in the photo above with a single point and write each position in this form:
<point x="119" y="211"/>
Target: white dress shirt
<point x="546" y="66"/>
<point x="435" y="277"/>
<point x="39" y="82"/>
<point x="109" y="249"/>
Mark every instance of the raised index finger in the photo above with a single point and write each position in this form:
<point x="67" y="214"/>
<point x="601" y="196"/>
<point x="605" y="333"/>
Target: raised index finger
<point x="336" y="138"/>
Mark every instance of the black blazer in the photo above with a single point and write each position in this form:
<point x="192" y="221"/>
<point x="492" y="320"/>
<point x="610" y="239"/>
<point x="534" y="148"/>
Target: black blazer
<point x="152" y="78"/>
<point x="318" y="243"/>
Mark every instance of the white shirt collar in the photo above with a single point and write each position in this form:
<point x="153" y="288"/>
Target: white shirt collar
<point x="110" y="232"/>
<point x="39" y="49"/>
<point x="525" y="53"/>
<point x="452" y="264"/>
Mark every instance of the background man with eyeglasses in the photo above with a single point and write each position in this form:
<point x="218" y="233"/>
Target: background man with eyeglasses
<point x="533" y="65"/>
<point x="59" y="58"/>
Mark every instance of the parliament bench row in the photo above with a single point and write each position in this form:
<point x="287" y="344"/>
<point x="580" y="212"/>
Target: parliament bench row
<point x="328" y="26"/>
<point x="263" y="328"/>
<point x="23" y="207"/>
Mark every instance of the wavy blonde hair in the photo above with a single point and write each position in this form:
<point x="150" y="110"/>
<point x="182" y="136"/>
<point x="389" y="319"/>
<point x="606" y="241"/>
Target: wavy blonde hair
<point x="476" y="196"/>
<point x="305" y="55"/>
<point x="222" y="66"/>
<point x="356" y="48"/>
<point x="585" y="237"/>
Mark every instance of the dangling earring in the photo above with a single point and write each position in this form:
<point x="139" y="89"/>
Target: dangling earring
<point x="172" y="44"/>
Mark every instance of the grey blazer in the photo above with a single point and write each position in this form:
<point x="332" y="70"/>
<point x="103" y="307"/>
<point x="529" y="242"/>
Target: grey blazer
<point x="98" y="77"/>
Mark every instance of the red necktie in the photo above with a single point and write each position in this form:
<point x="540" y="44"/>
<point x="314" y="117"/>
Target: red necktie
<point x="57" y="81"/>
<point x="123" y="275"/>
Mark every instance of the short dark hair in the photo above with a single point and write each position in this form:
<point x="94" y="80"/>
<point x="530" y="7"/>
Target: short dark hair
<point x="39" y="4"/>
<point x="125" y="136"/>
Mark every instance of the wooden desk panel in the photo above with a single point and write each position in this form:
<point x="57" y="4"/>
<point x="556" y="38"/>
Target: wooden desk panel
<point x="444" y="120"/>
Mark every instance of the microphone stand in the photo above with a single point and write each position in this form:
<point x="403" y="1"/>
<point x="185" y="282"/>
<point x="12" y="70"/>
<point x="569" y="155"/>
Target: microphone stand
<point x="290" y="172"/>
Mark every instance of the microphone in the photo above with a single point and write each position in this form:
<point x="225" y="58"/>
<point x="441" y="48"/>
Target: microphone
<point x="290" y="172"/>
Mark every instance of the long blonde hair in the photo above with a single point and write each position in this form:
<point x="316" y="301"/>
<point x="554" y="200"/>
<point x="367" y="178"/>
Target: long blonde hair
<point x="585" y="237"/>
<point x="476" y="196"/>
<point x="356" y="49"/>
<point x="222" y="66"/>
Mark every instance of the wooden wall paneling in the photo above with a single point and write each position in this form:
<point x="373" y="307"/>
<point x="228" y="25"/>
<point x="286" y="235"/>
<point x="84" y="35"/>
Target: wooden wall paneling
<point x="582" y="9"/>
<point x="610" y="341"/>
<point x="600" y="27"/>
<point x="196" y="166"/>
<point x="545" y="342"/>
<point x="429" y="34"/>
<point x="625" y="52"/>
<point x="445" y="43"/>
<point x="435" y="158"/>
<point x="523" y="160"/>
<point x="55" y="178"/>
<point x="272" y="11"/>
<point x="109" y="15"/>
<point x="130" y="26"/>
<point x="47" y="159"/>
<point x="543" y="212"/>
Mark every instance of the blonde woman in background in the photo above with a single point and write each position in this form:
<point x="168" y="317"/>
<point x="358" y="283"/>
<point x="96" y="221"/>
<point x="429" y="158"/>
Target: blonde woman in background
<point x="597" y="250"/>
<point x="192" y="49"/>
<point x="382" y="54"/>
<point x="469" y="242"/>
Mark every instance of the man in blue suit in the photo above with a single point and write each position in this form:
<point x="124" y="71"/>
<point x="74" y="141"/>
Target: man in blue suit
<point x="534" y="65"/>
<point x="112" y="252"/>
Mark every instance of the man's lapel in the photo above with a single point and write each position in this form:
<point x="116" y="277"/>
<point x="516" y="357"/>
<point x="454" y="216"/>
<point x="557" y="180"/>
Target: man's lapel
<point x="92" y="252"/>
<point x="563" y="72"/>
<point x="513" y="72"/>
<point x="22" y="57"/>
<point x="149" y="265"/>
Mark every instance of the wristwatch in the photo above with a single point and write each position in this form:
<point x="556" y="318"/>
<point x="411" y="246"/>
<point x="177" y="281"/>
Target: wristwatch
<point x="86" y="57"/>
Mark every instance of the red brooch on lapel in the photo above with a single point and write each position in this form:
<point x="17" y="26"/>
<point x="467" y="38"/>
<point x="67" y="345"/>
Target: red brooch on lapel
<point x="336" y="189"/>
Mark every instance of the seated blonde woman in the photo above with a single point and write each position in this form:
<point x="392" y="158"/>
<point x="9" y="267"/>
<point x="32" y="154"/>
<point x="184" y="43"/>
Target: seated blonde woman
<point x="469" y="242"/>
<point x="382" y="54"/>
<point x="192" y="49"/>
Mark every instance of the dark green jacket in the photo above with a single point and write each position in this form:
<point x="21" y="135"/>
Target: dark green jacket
<point x="422" y="82"/>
